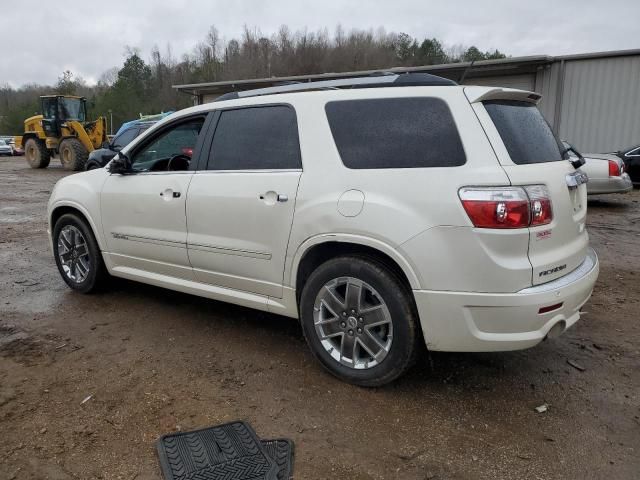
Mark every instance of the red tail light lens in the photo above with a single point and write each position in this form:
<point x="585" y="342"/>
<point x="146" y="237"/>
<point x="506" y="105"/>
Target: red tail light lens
<point x="507" y="207"/>
<point x="614" y="169"/>
<point x="540" y="202"/>
<point x="499" y="207"/>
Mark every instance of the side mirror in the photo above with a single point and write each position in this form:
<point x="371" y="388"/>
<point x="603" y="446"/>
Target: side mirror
<point x="120" y="165"/>
<point x="106" y="144"/>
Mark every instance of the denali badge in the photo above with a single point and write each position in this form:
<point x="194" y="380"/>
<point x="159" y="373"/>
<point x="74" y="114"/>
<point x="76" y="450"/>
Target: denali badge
<point x="552" y="270"/>
<point x="543" y="234"/>
<point x="119" y="236"/>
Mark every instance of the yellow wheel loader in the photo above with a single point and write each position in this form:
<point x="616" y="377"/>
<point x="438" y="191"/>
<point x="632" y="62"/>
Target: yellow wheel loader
<point x="62" y="128"/>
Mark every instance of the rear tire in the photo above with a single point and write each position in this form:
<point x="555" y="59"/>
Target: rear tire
<point x="36" y="153"/>
<point x="73" y="155"/>
<point x="368" y="337"/>
<point x="77" y="254"/>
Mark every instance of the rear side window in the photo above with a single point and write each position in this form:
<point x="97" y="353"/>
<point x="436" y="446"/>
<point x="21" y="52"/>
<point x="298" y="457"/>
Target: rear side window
<point x="524" y="132"/>
<point x="395" y="133"/>
<point x="256" y="138"/>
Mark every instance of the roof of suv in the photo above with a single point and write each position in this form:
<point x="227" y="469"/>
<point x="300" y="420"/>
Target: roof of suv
<point x="382" y="79"/>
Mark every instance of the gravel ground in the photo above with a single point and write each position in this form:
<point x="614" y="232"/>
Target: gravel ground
<point x="155" y="361"/>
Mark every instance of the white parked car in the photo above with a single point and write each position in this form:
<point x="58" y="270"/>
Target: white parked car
<point x="5" y="148"/>
<point x="413" y="210"/>
<point x="605" y="171"/>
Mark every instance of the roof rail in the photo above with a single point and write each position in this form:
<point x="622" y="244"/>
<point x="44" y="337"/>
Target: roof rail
<point x="376" y="80"/>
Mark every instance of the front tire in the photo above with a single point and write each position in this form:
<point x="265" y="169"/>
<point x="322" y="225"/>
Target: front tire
<point x="73" y="155"/>
<point x="77" y="254"/>
<point x="359" y="321"/>
<point x="36" y="153"/>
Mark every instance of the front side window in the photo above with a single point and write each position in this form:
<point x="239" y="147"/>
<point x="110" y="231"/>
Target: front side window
<point x="256" y="138"/>
<point x="395" y="133"/>
<point x="524" y="132"/>
<point x="170" y="150"/>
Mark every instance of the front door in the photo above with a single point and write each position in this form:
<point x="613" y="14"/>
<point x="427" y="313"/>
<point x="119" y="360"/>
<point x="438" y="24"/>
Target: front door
<point x="241" y="203"/>
<point x="143" y="213"/>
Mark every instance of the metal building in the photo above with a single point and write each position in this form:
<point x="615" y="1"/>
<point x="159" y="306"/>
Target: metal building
<point x="592" y="100"/>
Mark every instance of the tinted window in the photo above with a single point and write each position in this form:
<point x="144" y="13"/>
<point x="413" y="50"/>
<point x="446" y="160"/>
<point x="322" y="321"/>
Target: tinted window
<point x="524" y="132"/>
<point x="179" y="140"/>
<point x="125" y="138"/>
<point x="256" y="138"/>
<point x="395" y="133"/>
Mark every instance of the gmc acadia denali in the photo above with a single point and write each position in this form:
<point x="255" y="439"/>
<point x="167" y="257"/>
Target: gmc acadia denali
<point x="381" y="211"/>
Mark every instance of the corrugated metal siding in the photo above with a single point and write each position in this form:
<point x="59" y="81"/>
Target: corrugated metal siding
<point x="523" y="82"/>
<point x="600" y="109"/>
<point x="547" y="86"/>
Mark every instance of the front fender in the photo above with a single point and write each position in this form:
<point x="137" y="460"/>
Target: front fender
<point x="82" y="193"/>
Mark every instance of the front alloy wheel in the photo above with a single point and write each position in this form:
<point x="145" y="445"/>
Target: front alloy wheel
<point x="74" y="254"/>
<point x="77" y="254"/>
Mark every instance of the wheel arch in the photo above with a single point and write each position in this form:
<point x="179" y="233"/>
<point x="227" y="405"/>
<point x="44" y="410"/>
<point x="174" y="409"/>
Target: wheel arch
<point x="63" y="208"/>
<point x="317" y="250"/>
<point x="26" y="136"/>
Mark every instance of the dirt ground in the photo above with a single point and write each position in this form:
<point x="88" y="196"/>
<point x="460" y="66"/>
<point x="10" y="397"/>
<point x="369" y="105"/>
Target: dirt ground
<point x="155" y="361"/>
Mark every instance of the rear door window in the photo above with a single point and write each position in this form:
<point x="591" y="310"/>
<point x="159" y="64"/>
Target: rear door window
<point x="256" y="138"/>
<point x="524" y="132"/>
<point x="395" y="133"/>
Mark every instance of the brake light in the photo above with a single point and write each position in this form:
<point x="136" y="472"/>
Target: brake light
<point x="541" y="212"/>
<point x="507" y="207"/>
<point x="614" y="169"/>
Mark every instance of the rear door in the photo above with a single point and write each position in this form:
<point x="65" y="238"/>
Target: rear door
<point x="531" y="155"/>
<point x="241" y="200"/>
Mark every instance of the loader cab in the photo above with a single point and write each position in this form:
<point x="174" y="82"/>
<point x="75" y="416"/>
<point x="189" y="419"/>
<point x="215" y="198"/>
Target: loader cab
<point x="57" y="109"/>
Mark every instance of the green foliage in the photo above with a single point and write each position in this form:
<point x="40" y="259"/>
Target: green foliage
<point x="66" y="84"/>
<point x="138" y="87"/>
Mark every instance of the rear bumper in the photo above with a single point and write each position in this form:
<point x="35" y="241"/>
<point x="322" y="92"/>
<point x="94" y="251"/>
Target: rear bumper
<point x="483" y="322"/>
<point x="621" y="184"/>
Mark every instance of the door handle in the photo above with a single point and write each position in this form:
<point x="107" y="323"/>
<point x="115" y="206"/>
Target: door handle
<point x="170" y="193"/>
<point x="271" y="197"/>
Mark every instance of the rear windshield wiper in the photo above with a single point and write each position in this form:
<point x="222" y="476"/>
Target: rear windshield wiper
<point x="580" y="161"/>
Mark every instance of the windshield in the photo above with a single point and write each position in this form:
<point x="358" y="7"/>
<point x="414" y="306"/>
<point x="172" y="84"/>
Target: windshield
<point x="524" y="132"/>
<point x="72" y="109"/>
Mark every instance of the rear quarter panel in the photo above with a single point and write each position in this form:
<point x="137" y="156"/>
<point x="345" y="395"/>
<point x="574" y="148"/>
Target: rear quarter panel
<point x="415" y="213"/>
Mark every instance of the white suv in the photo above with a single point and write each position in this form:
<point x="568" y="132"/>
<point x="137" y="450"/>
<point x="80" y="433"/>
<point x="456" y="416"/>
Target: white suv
<point x="411" y="210"/>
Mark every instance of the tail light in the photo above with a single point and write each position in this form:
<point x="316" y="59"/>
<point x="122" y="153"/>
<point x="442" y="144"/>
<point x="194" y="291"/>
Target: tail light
<point x="614" y="169"/>
<point x="507" y="207"/>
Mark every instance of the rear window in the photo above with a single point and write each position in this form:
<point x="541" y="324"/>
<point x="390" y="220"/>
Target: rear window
<point x="524" y="132"/>
<point x="256" y="138"/>
<point x="395" y="133"/>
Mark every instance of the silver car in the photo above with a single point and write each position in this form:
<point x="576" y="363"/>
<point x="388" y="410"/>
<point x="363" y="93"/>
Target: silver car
<point x="5" y="148"/>
<point x="605" y="171"/>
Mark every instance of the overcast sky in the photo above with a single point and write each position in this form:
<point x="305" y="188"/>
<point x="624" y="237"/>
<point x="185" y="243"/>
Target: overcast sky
<point x="39" y="40"/>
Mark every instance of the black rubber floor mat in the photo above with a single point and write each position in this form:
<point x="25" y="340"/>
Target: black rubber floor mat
<point x="225" y="452"/>
<point x="281" y="451"/>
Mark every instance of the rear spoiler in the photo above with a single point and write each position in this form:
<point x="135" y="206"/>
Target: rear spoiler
<point x="482" y="94"/>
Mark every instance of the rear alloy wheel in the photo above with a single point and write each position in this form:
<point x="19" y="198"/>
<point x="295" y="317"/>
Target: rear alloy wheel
<point x="73" y="155"/>
<point x="36" y="153"/>
<point x="359" y="321"/>
<point x="77" y="254"/>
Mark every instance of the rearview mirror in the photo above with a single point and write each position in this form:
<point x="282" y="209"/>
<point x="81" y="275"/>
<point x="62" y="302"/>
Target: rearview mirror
<point x="120" y="165"/>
